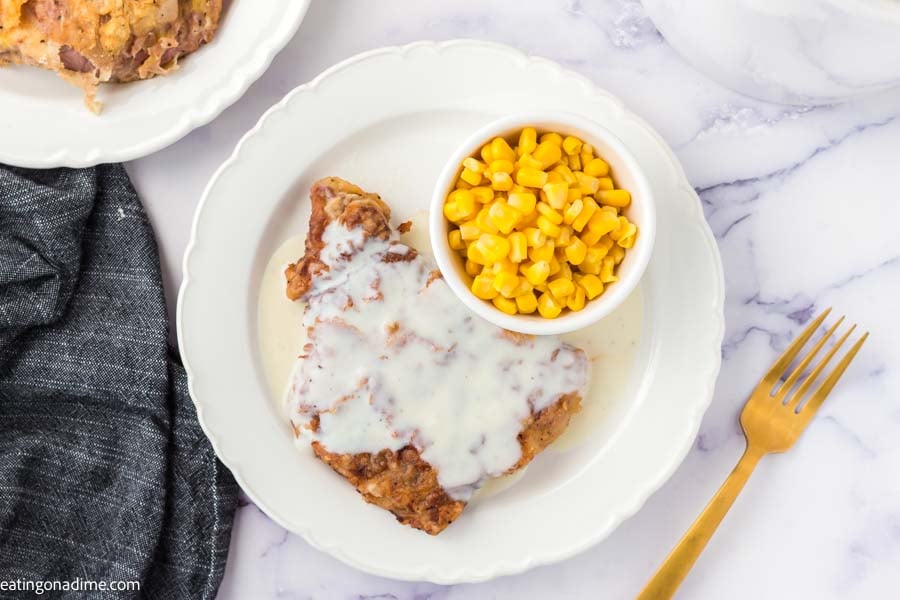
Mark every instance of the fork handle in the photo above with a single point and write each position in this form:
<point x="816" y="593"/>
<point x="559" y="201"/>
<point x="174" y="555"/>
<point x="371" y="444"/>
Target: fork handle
<point x="673" y="571"/>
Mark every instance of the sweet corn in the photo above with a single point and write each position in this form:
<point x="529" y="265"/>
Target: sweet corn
<point x="454" y="238"/>
<point x="589" y="207"/>
<point x="552" y="138"/>
<point x="501" y="181"/>
<point x="549" y="228"/>
<point x="483" y="287"/>
<point x="556" y="193"/>
<point x="527" y="141"/>
<point x="503" y="216"/>
<point x="592" y="285"/>
<point x="571" y="145"/>
<point x="537" y="273"/>
<point x="505" y="304"/>
<point x="500" y="150"/>
<point x="535" y="237"/>
<point x="505" y="283"/>
<point x="538" y="225"/>
<point x="543" y="252"/>
<point x="548" y="306"/>
<point x="560" y="287"/>
<point x="551" y="215"/>
<point x="575" y="301"/>
<point x="470" y="177"/>
<point x="576" y="251"/>
<point x="547" y="153"/>
<point x="526" y="303"/>
<point x="597" y="167"/>
<point x="502" y="166"/>
<point x="572" y="211"/>
<point x="518" y="247"/>
<point x="617" y="198"/>
<point x="533" y="178"/>
<point x="606" y="269"/>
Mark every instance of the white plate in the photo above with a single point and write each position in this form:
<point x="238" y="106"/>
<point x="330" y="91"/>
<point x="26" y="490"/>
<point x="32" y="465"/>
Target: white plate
<point x="387" y="120"/>
<point x="44" y="123"/>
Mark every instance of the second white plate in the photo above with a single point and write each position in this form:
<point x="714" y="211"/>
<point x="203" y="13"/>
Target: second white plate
<point x="387" y="120"/>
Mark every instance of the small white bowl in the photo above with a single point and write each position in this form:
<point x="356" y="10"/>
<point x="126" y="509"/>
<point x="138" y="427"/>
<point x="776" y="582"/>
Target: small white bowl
<point x="627" y="174"/>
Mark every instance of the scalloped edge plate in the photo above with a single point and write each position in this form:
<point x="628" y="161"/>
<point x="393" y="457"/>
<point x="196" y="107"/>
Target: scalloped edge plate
<point x="45" y="124"/>
<point x="235" y="233"/>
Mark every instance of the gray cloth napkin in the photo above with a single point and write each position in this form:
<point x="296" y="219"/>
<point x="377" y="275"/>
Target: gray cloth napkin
<point x="104" y="471"/>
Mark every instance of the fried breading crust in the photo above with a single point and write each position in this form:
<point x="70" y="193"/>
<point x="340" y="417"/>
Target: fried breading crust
<point x="401" y="482"/>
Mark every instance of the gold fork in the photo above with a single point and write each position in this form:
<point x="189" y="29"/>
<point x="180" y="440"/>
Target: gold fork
<point x="772" y="421"/>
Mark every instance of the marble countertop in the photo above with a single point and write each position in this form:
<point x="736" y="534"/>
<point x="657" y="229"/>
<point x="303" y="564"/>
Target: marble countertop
<point x="804" y="204"/>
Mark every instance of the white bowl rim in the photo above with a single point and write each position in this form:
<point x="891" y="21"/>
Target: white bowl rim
<point x="594" y="310"/>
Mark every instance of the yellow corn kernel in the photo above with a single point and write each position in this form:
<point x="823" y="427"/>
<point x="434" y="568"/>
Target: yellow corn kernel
<point x="575" y="163"/>
<point x="624" y="229"/>
<point x="473" y="164"/>
<point x="501" y="181"/>
<point x="460" y="206"/>
<point x="534" y="237"/>
<point x="469" y="231"/>
<point x="572" y="211"/>
<point x="529" y="220"/>
<point x="591" y="237"/>
<point x="527" y="141"/>
<point x="472" y="268"/>
<point x="526" y="161"/>
<point x="454" y="238"/>
<point x="590" y="264"/>
<point x="548" y="306"/>
<point x="565" y="235"/>
<point x="470" y="177"/>
<point x="547" y="153"/>
<point x="574" y="194"/>
<point x="482" y="287"/>
<point x="592" y="285"/>
<point x="576" y="251"/>
<point x="486" y="154"/>
<point x="617" y="198"/>
<point x="490" y="248"/>
<point x="561" y="287"/>
<point x="522" y="201"/>
<point x="542" y="288"/>
<point x="565" y="270"/>
<point x="500" y="150"/>
<point x="589" y="207"/>
<point x="587" y="154"/>
<point x="552" y="216"/>
<point x="605" y="183"/>
<point x="587" y="183"/>
<point x="566" y="173"/>
<point x="606" y="269"/>
<point x="462" y="185"/>
<point x="543" y="252"/>
<point x="618" y="254"/>
<point x="575" y="301"/>
<point x="518" y="247"/>
<point x="504" y="216"/>
<point x="505" y="304"/>
<point x="548" y="227"/>
<point x="505" y="266"/>
<point x="505" y="283"/>
<point x="523" y="287"/>
<point x="554" y="177"/>
<point x="537" y="273"/>
<point x="502" y="166"/>
<point x="572" y="145"/>
<point x="526" y="303"/>
<point x="551" y="138"/>
<point x="554" y="266"/>
<point x="484" y="222"/>
<point x="482" y="194"/>
<point x="603" y="222"/>
<point x="597" y="168"/>
<point x="628" y="240"/>
<point x="533" y="178"/>
<point x="556" y="194"/>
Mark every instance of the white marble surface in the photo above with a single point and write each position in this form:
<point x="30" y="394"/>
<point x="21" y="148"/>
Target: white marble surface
<point x="805" y="206"/>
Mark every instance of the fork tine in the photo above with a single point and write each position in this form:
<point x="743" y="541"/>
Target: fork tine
<point x="798" y="370"/>
<point x="793" y="349"/>
<point x="797" y="397"/>
<point x="818" y="397"/>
